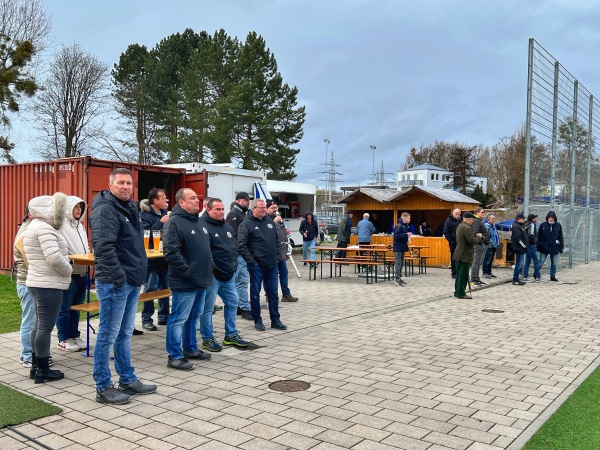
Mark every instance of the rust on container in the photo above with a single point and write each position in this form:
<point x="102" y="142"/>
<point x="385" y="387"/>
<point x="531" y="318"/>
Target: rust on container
<point x="84" y="177"/>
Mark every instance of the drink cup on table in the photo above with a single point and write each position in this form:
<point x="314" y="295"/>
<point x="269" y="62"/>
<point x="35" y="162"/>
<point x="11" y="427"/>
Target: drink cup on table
<point x="146" y="239"/>
<point x="156" y="240"/>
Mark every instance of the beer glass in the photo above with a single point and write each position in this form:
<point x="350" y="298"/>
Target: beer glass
<point x="146" y="239"/>
<point x="156" y="240"/>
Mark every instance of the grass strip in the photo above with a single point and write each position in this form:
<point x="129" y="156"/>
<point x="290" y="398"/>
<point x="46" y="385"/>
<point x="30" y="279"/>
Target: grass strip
<point x="574" y="425"/>
<point x="18" y="408"/>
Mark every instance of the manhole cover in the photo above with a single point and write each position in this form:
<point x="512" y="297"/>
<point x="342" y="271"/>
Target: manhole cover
<point x="289" y="386"/>
<point x="493" y="311"/>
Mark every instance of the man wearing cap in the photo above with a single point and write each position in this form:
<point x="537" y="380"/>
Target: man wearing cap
<point x="235" y="217"/>
<point x="532" y="235"/>
<point x="463" y="254"/>
<point x="343" y="236"/>
<point x="519" y="243"/>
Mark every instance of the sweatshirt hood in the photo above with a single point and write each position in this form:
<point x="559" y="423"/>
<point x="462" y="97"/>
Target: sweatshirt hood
<point x="309" y="213"/>
<point x="551" y="214"/>
<point x="49" y="208"/>
<point x="73" y="201"/>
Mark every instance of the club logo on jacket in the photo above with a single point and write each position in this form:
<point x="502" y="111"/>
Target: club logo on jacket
<point x="216" y="234"/>
<point x="193" y="232"/>
<point x="205" y="230"/>
<point x="229" y="235"/>
<point x="269" y="225"/>
<point x="256" y="228"/>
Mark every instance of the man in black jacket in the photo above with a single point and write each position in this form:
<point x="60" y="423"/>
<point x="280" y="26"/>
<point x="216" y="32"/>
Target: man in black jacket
<point x="120" y="264"/>
<point x="236" y="216"/>
<point x="519" y="242"/>
<point x="480" y="248"/>
<point x="343" y="236"/>
<point x="153" y="216"/>
<point x="224" y="253"/>
<point x="258" y="245"/>
<point x="187" y="250"/>
<point x="282" y="254"/>
<point x="532" y="234"/>
<point x="450" y="226"/>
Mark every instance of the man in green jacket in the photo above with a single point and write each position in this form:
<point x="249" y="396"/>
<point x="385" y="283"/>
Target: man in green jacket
<point x="463" y="254"/>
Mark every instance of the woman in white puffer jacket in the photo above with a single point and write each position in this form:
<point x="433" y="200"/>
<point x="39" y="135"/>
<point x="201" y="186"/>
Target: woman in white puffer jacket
<point x="67" y="323"/>
<point x="49" y="274"/>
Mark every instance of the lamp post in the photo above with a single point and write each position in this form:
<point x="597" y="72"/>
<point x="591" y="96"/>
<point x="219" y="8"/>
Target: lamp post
<point x="373" y="148"/>
<point x="327" y="142"/>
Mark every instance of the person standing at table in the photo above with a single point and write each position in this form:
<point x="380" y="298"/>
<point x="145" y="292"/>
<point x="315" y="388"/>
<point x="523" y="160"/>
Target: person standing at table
<point x="365" y="229"/>
<point x="120" y="266"/>
<point x="401" y="236"/>
<point x="153" y="216"/>
<point x="186" y="247"/>
<point x="67" y="323"/>
<point x="463" y="254"/>
<point x="258" y="245"/>
<point x="450" y="226"/>
<point x="236" y="216"/>
<point x="344" y="233"/>
<point x="309" y="229"/>
<point x="224" y="254"/>
<point x="480" y="248"/>
<point x="48" y="275"/>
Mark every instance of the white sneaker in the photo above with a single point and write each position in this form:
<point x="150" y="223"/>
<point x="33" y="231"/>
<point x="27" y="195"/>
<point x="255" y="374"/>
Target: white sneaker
<point x="68" y="346"/>
<point x="80" y="343"/>
<point x="528" y="280"/>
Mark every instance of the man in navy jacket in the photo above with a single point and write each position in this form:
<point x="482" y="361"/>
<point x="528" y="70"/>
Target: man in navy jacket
<point x="550" y="242"/>
<point x="401" y="237"/>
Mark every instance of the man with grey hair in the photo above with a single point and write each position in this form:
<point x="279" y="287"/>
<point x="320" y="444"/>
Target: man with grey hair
<point x="450" y="226"/>
<point x="258" y="244"/>
<point x="365" y="229"/>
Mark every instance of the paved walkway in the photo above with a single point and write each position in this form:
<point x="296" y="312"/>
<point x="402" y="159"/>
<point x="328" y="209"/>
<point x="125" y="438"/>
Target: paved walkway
<point x="389" y="367"/>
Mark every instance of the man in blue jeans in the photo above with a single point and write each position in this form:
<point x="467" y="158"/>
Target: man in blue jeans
<point x="224" y="253"/>
<point x="532" y="236"/>
<point x="120" y="265"/>
<point x="550" y="242"/>
<point x="187" y="250"/>
<point x="258" y="245"/>
<point x="282" y="254"/>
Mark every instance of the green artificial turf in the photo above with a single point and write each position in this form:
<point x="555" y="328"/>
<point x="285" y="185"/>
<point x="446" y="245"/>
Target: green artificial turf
<point x="576" y="424"/>
<point x="19" y="408"/>
<point x="10" y="306"/>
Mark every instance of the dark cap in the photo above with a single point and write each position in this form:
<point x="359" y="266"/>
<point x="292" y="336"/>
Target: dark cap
<point x="520" y="216"/>
<point x="468" y="215"/>
<point x="530" y="217"/>
<point x="242" y="196"/>
<point x="270" y="203"/>
<point x="350" y="212"/>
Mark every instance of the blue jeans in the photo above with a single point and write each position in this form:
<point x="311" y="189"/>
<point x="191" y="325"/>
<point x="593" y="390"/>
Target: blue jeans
<point x="305" y="246"/>
<point x="156" y="280"/>
<point x="532" y="256"/>
<point x="268" y="275"/>
<point x="117" y="315"/>
<point x="488" y="259"/>
<point x="182" y="324"/>
<point x="553" y="262"/>
<point x="228" y="293"/>
<point x="27" y="320"/>
<point x="518" y="266"/>
<point x="241" y="284"/>
<point x="282" y="269"/>
<point x="67" y="322"/>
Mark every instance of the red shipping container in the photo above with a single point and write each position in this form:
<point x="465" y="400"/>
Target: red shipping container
<point x="84" y="177"/>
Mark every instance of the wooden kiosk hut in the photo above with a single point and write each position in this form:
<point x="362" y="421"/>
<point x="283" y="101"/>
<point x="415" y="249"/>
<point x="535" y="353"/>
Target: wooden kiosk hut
<point x="385" y="207"/>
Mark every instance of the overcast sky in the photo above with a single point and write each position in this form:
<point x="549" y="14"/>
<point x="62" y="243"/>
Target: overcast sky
<point x="393" y="74"/>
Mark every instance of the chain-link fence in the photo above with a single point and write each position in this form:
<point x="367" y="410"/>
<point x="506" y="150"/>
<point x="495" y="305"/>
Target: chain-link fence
<point x="562" y="168"/>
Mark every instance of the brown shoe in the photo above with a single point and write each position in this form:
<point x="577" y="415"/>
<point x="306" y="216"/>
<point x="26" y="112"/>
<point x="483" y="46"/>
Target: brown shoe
<point x="289" y="298"/>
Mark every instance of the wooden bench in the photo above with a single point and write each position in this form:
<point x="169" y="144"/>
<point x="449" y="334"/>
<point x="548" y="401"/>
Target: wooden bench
<point x="369" y="266"/>
<point x="145" y="297"/>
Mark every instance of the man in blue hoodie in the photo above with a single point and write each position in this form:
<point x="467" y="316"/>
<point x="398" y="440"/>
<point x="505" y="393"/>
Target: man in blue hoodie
<point x="550" y="242"/>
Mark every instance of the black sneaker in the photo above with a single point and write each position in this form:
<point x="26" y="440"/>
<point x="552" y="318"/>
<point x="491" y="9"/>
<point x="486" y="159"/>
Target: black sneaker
<point x="211" y="345"/>
<point x="198" y="354"/>
<point x="112" y="395"/>
<point x="149" y="327"/>
<point x="519" y="283"/>
<point x="553" y="279"/>
<point x="162" y="322"/>
<point x="278" y="325"/>
<point x="180" y="364"/>
<point x="236" y="341"/>
<point x="137" y="388"/>
<point x="493" y="276"/>
<point x="259" y="325"/>
<point x="403" y="283"/>
<point x="246" y="315"/>
<point x="137" y="332"/>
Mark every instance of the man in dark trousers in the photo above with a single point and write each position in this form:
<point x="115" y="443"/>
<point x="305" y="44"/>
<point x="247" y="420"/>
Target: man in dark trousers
<point x="480" y="248"/>
<point x="532" y="235"/>
<point x="282" y="254"/>
<point x="236" y="216"/>
<point x="463" y="254"/>
<point x="401" y="237"/>
<point x="153" y="215"/>
<point x="187" y="250"/>
<point x="550" y="242"/>
<point x="519" y="243"/>
<point x="224" y="253"/>
<point x="450" y="226"/>
<point x="344" y="233"/>
<point x="258" y="245"/>
<point x="120" y="265"/>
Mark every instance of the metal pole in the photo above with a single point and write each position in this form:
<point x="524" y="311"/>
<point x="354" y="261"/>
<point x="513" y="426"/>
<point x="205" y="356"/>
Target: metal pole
<point x="573" y="166"/>
<point x="373" y="147"/>
<point x="325" y="204"/>
<point x="528" y="130"/>
<point x="554" y="136"/>
<point x="587" y="248"/>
